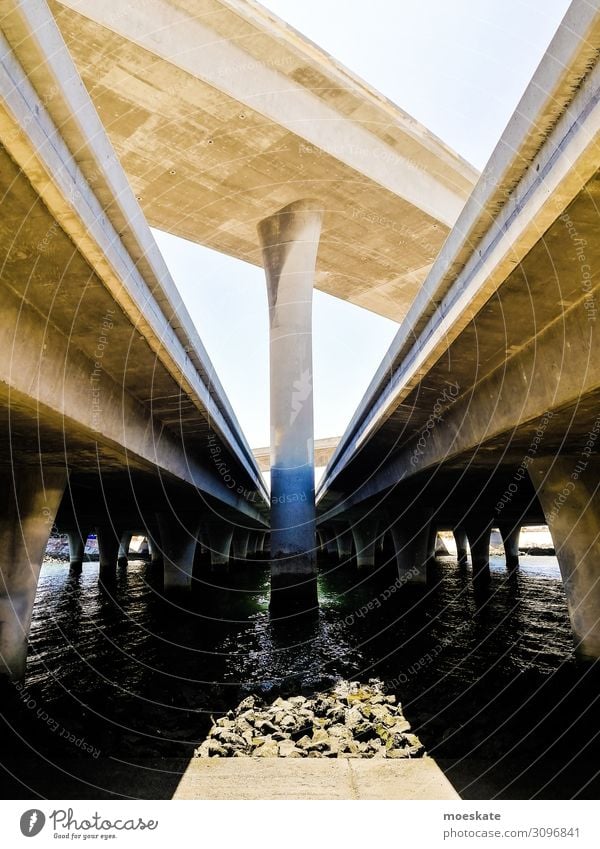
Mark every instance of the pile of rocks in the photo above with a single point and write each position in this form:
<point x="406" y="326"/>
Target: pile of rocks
<point x="350" y="721"/>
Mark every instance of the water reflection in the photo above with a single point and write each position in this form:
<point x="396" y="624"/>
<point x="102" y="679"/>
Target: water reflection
<point x="151" y="672"/>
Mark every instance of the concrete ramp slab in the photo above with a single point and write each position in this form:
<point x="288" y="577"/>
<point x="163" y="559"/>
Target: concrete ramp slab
<point x="339" y="778"/>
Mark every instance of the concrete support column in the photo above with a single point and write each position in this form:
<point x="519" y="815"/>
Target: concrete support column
<point x="29" y="501"/>
<point x="290" y="241"/>
<point x="568" y="491"/>
<point x="154" y="549"/>
<point x="460" y="537"/>
<point x="510" y="539"/>
<point x="365" y="537"/>
<point x="108" y="548"/>
<point x="478" y="533"/>
<point x="220" y="536"/>
<point x="124" y="544"/>
<point x="412" y="544"/>
<point x="178" y="549"/>
<point x="77" y="540"/>
<point x="240" y="545"/>
<point x="344" y="545"/>
<point x="431" y="541"/>
<point x="331" y="546"/>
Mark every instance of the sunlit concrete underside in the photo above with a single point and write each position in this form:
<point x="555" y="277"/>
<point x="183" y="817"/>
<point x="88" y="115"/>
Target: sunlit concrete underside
<point x="336" y="778"/>
<point x="485" y="410"/>
<point x="221" y="115"/>
<point x="111" y="416"/>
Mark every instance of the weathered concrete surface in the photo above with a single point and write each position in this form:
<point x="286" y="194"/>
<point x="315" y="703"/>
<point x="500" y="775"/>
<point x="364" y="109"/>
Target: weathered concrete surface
<point x="568" y="489"/>
<point x="504" y="327"/>
<point x="224" y="114"/>
<point x="28" y="503"/>
<point x="290" y="241"/>
<point x="323" y="450"/>
<point x="280" y="778"/>
<point x="134" y="378"/>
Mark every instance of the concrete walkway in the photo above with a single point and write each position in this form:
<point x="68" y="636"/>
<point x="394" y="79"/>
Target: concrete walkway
<point x="312" y="778"/>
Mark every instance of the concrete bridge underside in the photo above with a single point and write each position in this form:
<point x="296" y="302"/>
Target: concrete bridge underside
<point x="112" y="418"/>
<point x="484" y="413"/>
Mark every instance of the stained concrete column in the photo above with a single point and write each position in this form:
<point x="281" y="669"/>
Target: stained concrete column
<point x="510" y="539"/>
<point x="108" y="548"/>
<point x="478" y="530"/>
<point x="220" y="535"/>
<point x="178" y="549"/>
<point x="29" y="500"/>
<point x="290" y="241"/>
<point x="240" y="544"/>
<point x="77" y="540"/>
<point x="365" y="537"/>
<point x="568" y="491"/>
<point x="124" y="544"/>
<point x="412" y="544"/>
<point x="460" y="537"/>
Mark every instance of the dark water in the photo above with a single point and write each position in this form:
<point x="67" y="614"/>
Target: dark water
<point x="134" y="676"/>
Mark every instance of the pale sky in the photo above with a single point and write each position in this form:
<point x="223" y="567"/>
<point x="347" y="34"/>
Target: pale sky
<point x="457" y="66"/>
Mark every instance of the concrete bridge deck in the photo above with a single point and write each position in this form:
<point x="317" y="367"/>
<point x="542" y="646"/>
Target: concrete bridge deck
<point x="485" y="409"/>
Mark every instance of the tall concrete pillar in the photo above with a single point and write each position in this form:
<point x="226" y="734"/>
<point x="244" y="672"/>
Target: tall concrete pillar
<point x="220" y="535"/>
<point x="412" y="544"/>
<point x="478" y="530"/>
<point x="240" y="544"/>
<point x="178" y="549"/>
<point x="77" y="540"/>
<point x="568" y="491"/>
<point x="365" y="537"/>
<point x="108" y="548"/>
<point x="290" y="241"/>
<point x="460" y="537"/>
<point x="510" y="538"/>
<point x="29" y="500"/>
<point x="124" y="544"/>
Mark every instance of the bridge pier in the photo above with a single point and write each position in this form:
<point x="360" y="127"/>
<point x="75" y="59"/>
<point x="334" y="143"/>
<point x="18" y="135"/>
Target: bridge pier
<point x="568" y="491"/>
<point x="365" y="538"/>
<point x="28" y="504"/>
<point x="178" y="549"/>
<point x="154" y="549"/>
<point x="240" y="544"/>
<point x="331" y="543"/>
<point x="77" y="540"/>
<point x="412" y="549"/>
<point x="460" y="538"/>
<point x="344" y="545"/>
<point x="478" y="532"/>
<point x="220" y="536"/>
<point x="510" y="538"/>
<point x="124" y="544"/>
<point x="290" y="241"/>
<point x="108" y="549"/>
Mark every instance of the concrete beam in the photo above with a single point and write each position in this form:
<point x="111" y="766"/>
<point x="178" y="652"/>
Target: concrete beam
<point x="463" y="280"/>
<point x="33" y="141"/>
